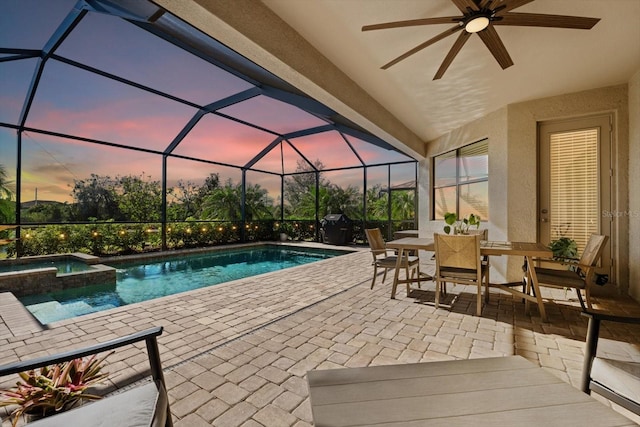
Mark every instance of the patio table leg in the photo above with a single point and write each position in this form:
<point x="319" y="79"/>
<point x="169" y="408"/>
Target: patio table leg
<point x="397" y="273"/>
<point x="531" y="274"/>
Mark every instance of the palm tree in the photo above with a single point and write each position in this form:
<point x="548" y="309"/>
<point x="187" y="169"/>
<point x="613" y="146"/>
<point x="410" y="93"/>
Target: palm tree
<point x="7" y="207"/>
<point x="377" y="203"/>
<point x="402" y="204"/>
<point x="257" y="203"/>
<point x="5" y="191"/>
<point x="224" y="203"/>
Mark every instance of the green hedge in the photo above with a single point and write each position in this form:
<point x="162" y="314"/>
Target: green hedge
<point x="112" y="238"/>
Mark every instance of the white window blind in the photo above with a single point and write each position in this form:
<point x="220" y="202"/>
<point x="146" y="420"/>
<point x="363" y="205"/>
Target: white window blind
<point x="574" y="185"/>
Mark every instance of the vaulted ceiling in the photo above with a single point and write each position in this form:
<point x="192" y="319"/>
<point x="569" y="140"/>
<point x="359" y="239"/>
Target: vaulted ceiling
<point x="548" y="61"/>
<point x="319" y="46"/>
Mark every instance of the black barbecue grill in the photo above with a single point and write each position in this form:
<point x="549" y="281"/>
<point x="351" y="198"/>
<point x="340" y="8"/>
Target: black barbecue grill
<point x="336" y="229"/>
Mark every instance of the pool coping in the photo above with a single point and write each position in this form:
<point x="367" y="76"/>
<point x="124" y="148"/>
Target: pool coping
<point x="159" y="255"/>
<point x="16" y="318"/>
<point x="28" y="319"/>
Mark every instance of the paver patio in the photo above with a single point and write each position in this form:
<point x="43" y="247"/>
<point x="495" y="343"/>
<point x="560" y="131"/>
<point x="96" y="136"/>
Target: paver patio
<point x="237" y="354"/>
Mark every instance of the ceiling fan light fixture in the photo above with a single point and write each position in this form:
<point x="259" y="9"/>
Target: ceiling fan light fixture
<point x="476" y="24"/>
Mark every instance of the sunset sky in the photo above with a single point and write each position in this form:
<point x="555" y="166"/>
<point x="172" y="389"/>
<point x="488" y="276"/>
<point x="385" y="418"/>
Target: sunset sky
<point x="73" y="101"/>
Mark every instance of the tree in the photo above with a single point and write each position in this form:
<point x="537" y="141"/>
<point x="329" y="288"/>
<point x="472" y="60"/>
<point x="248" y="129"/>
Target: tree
<point x="7" y="211"/>
<point x="377" y="203"/>
<point x="300" y="189"/>
<point x="300" y="192"/>
<point x="403" y="204"/>
<point x="5" y="191"/>
<point x="7" y="206"/>
<point x="189" y="198"/>
<point x="48" y="212"/>
<point x="211" y="183"/>
<point x="139" y="200"/>
<point x="303" y="181"/>
<point x="96" y="198"/>
<point x="346" y="201"/>
<point x="257" y="203"/>
<point x="225" y="203"/>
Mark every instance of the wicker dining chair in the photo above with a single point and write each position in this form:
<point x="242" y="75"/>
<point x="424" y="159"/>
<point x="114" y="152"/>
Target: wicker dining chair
<point x="386" y="258"/>
<point x="577" y="275"/>
<point x="458" y="260"/>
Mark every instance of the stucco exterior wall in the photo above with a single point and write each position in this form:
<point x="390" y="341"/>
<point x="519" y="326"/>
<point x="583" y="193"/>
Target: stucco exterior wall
<point x="634" y="186"/>
<point x="523" y="119"/>
<point x="512" y="133"/>
<point x="494" y="127"/>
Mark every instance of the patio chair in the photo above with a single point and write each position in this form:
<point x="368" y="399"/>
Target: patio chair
<point x="578" y="276"/>
<point x="458" y="260"/>
<point x="484" y="235"/>
<point x="383" y="259"/>
<point x="615" y="374"/>
<point x="143" y="405"/>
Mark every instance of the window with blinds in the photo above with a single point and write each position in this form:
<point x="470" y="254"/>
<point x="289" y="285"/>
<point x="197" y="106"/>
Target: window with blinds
<point x="461" y="181"/>
<point x="573" y="165"/>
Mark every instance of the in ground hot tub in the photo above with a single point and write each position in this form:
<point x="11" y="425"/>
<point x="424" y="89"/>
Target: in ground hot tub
<point x="40" y="274"/>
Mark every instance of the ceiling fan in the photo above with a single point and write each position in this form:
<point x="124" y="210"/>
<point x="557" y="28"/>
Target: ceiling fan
<point x="480" y="17"/>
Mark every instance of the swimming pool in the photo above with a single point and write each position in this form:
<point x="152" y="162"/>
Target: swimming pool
<point x="140" y="280"/>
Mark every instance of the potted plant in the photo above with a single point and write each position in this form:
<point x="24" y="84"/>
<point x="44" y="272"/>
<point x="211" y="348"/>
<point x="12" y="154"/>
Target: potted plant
<point x="285" y="230"/>
<point x="53" y="389"/>
<point x="460" y="225"/>
<point x="564" y="248"/>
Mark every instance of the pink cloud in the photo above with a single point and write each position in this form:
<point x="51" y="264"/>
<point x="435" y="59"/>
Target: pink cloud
<point x="155" y="129"/>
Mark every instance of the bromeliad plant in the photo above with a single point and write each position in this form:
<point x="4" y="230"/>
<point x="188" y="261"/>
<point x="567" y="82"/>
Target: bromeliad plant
<point x="53" y="389"/>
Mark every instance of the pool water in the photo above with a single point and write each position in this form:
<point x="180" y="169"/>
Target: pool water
<point x="143" y="280"/>
<point x="63" y="266"/>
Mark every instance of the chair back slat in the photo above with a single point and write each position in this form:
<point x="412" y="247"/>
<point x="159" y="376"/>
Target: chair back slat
<point x="376" y="243"/>
<point x="593" y="250"/>
<point x="374" y="237"/>
<point x="458" y="251"/>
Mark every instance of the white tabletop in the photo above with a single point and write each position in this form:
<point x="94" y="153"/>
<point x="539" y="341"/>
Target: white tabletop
<point x="504" y="391"/>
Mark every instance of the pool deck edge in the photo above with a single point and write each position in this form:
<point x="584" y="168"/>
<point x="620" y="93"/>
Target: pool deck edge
<point x="16" y="320"/>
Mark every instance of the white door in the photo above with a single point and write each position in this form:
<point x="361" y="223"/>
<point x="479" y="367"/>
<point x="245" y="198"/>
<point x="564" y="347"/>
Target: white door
<point x="575" y="182"/>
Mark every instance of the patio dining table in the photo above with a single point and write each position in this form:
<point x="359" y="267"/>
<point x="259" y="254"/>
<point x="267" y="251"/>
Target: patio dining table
<point x="528" y="250"/>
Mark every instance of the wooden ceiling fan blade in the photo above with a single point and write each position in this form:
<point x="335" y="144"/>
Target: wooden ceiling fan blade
<point x="465" y="5"/>
<point x="543" y="20"/>
<point x="484" y="4"/>
<point x="510" y="5"/>
<point x="492" y="40"/>
<point x="418" y="48"/>
<point x="455" y="49"/>
<point x="412" y="23"/>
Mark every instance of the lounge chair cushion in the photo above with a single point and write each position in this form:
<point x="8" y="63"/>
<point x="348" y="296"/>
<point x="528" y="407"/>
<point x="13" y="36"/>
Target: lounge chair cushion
<point x="622" y="377"/>
<point x="141" y="406"/>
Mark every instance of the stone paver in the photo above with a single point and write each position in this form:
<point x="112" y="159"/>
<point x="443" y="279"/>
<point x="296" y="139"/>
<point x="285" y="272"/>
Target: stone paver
<point x="237" y="354"/>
